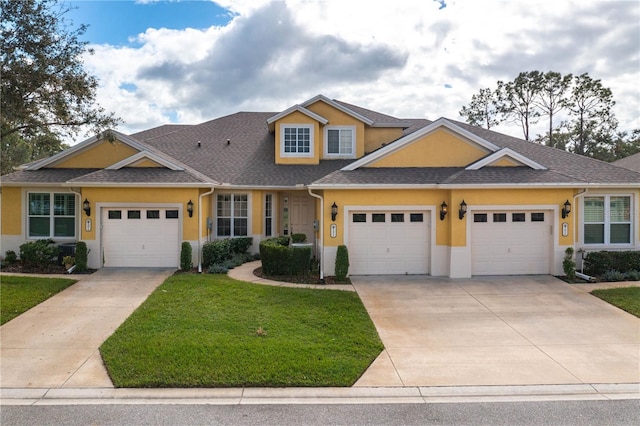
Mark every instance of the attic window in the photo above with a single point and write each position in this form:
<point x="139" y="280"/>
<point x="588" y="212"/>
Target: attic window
<point x="339" y="141"/>
<point x="296" y="140"/>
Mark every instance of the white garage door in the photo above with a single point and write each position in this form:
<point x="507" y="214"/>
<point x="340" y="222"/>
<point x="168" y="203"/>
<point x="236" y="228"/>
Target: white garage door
<point x="148" y="237"/>
<point x="383" y="243"/>
<point x="510" y="242"/>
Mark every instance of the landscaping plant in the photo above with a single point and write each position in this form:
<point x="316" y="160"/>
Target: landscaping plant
<point x="342" y="263"/>
<point x="569" y="265"/>
<point x="186" y="251"/>
<point x="82" y="254"/>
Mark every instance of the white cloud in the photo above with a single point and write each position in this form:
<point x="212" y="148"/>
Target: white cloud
<point x="410" y="59"/>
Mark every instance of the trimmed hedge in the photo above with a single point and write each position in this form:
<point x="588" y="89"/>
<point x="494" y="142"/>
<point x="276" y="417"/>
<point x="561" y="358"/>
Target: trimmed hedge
<point x="82" y="256"/>
<point x="280" y="259"/>
<point x="186" y="252"/>
<point x="342" y="263"/>
<point x="598" y="263"/>
<point x="219" y="251"/>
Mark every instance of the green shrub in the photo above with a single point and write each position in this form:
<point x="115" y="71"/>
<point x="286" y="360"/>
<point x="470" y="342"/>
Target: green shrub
<point x="186" y="252"/>
<point x="11" y="257"/>
<point x="568" y="264"/>
<point x="218" y="268"/>
<point x="82" y="254"/>
<point x="613" y="275"/>
<point x="39" y="254"/>
<point x="342" y="263"/>
<point x="597" y="263"/>
<point x="215" y="252"/>
<point x="633" y="276"/>
<point x="240" y="245"/>
<point x="280" y="259"/>
<point x="298" y="238"/>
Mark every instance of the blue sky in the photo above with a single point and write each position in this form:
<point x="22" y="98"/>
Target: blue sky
<point x="116" y="21"/>
<point x="181" y="61"/>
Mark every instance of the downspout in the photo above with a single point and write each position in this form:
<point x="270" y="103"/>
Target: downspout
<point x="79" y="194"/>
<point x="320" y="242"/>
<point x="200" y="228"/>
<point x="575" y="231"/>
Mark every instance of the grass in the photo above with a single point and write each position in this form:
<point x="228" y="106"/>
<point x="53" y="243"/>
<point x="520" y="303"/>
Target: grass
<point x="625" y="298"/>
<point x="19" y="294"/>
<point x="213" y="331"/>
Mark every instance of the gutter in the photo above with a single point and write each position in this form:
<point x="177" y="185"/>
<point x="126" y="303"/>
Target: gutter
<point x="320" y="241"/>
<point x="200" y="228"/>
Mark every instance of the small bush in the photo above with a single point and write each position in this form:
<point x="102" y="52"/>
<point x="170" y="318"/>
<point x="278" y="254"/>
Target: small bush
<point x="240" y="245"/>
<point x="597" y="263"/>
<point x="186" y="252"/>
<point x="280" y="259"/>
<point x="215" y="252"/>
<point x="39" y="254"/>
<point x="613" y="275"/>
<point x="68" y="260"/>
<point x="568" y="264"/>
<point x="633" y="276"/>
<point x="81" y="256"/>
<point x="342" y="263"/>
<point x="218" y="268"/>
<point x="11" y="257"/>
<point x="298" y="238"/>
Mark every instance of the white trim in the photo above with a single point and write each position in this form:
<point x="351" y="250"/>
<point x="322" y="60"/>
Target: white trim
<point x="402" y="142"/>
<point x="505" y="152"/>
<point x="607" y="223"/>
<point x="337" y="106"/>
<point x="77" y="214"/>
<point x="300" y="109"/>
<point x="144" y="155"/>
<point x="328" y="154"/>
<point x="309" y="154"/>
<point x="214" y="214"/>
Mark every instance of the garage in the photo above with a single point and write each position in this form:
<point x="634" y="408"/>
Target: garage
<point x="388" y="242"/>
<point x="140" y="237"/>
<point x="510" y="242"/>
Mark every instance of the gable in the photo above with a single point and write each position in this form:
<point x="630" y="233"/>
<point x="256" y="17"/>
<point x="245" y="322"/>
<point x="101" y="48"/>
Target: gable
<point x="440" y="148"/>
<point x="145" y="162"/>
<point x="96" y="156"/>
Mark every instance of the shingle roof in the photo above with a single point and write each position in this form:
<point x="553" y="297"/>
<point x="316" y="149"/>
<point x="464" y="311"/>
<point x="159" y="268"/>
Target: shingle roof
<point x="631" y="162"/>
<point x="44" y="175"/>
<point x="137" y="175"/>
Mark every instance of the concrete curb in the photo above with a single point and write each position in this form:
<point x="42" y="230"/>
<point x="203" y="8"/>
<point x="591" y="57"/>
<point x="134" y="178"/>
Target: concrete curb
<point x="354" y="395"/>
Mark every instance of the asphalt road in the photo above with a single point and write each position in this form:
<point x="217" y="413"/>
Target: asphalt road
<point x="622" y="412"/>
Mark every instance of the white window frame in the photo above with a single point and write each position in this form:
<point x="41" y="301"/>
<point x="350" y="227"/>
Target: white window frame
<point x="269" y="213"/>
<point x="233" y="216"/>
<point x="52" y="216"/>
<point x="607" y="220"/>
<point x="351" y="154"/>
<point x="309" y="154"/>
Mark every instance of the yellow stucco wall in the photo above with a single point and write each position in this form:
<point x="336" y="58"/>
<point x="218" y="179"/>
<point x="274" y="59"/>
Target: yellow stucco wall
<point x="257" y="212"/>
<point x="100" y="155"/>
<point x="145" y="163"/>
<point x="339" y="118"/>
<point x="504" y="162"/>
<point x="11" y="207"/>
<point x="376" y="137"/>
<point x="438" y="149"/>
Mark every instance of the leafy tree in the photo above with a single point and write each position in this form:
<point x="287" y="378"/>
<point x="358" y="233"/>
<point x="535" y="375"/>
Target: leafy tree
<point x="551" y="98"/>
<point x="45" y="89"/>
<point x="482" y="110"/>
<point x="590" y="106"/>
<point x="517" y="99"/>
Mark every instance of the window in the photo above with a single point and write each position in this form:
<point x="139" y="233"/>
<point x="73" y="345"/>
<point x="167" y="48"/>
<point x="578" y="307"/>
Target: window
<point x="115" y="214"/>
<point x="537" y="217"/>
<point x="518" y="217"/>
<point x="296" y="140"/>
<point x="268" y="215"/>
<point x="397" y="217"/>
<point x="499" y="217"/>
<point x="479" y="217"/>
<point x="607" y="220"/>
<point x="133" y="214"/>
<point x="171" y="214"/>
<point x="153" y="214"/>
<point x="359" y="217"/>
<point x="340" y="141"/>
<point x="232" y="215"/>
<point x="416" y="217"/>
<point x="52" y="219"/>
<point x="377" y="217"/>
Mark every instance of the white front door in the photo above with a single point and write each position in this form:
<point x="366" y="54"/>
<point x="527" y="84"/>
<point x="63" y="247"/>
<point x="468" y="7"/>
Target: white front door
<point x="388" y="242"/>
<point x="510" y="242"/>
<point x="140" y="237"/>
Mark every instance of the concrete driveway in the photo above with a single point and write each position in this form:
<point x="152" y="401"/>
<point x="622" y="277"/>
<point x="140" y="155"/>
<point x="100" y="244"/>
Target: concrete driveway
<point x="496" y="331"/>
<point x="55" y="344"/>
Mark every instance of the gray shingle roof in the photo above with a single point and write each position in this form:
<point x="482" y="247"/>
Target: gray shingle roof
<point x="137" y="175"/>
<point x="44" y="175"/>
<point x="631" y="162"/>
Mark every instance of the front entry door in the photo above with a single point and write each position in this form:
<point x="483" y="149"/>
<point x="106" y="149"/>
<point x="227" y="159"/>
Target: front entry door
<point x="298" y="213"/>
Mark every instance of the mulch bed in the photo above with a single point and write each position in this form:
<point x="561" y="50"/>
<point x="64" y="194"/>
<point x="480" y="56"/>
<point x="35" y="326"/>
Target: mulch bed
<point x="42" y="269"/>
<point x="313" y="278"/>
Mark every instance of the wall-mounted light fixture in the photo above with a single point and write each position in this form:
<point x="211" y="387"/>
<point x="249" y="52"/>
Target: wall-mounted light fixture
<point x="334" y="211"/>
<point x="190" y="208"/>
<point x="443" y="210"/>
<point x="566" y="209"/>
<point x="86" y="207"/>
<point x="463" y="210"/>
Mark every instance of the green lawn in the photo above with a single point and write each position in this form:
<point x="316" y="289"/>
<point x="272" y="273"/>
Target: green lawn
<point x="626" y="298"/>
<point x="19" y="294"/>
<point x="213" y="331"/>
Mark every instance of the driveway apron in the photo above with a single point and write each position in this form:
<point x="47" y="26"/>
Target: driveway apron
<point x="524" y="330"/>
<point x="55" y="344"/>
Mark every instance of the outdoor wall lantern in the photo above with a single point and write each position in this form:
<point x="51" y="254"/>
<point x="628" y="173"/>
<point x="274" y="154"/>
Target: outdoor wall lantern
<point x="334" y="211"/>
<point x="190" y="208"/>
<point x="463" y="210"/>
<point x="566" y="209"/>
<point x="86" y="207"/>
<point x="443" y="210"/>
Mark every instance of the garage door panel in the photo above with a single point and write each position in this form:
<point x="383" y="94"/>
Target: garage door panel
<point x="511" y="247"/>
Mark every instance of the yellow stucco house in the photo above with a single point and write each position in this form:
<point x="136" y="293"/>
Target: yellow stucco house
<point x="406" y="196"/>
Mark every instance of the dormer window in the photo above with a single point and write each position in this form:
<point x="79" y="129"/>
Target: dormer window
<point x="296" y="140"/>
<point x="340" y="141"/>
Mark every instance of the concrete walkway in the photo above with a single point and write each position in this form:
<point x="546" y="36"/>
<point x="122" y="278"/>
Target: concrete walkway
<point x="55" y="344"/>
<point x="527" y="330"/>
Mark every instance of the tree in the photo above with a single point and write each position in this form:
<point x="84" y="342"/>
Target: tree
<point x="590" y="107"/>
<point x="551" y="98"/>
<point x="16" y="150"/>
<point x="482" y="110"/>
<point x="516" y="99"/>
<point x="45" y="89"/>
